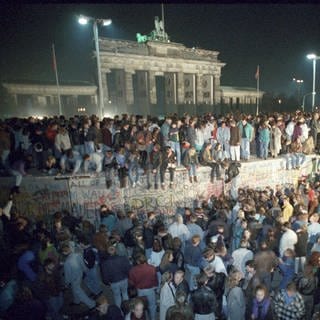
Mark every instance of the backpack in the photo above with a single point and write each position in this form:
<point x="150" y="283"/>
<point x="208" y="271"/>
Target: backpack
<point x="89" y="257"/>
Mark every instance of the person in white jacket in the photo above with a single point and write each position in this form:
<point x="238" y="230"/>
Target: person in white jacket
<point x="179" y="229"/>
<point x="199" y="142"/>
<point x="289" y="129"/>
<point x="241" y="256"/>
<point x="288" y="239"/>
<point x="93" y="161"/>
<point x="207" y="132"/>
<point x="156" y="253"/>
<point x="62" y="142"/>
<point x="167" y="294"/>
<point x="305" y="130"/>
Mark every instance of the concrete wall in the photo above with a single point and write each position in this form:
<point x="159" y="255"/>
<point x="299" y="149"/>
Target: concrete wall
<point x="42" y="196"/>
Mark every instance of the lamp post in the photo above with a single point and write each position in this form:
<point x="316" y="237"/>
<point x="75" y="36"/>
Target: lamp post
<point x="314" y="59"/>
<point x="104" y="22"/>
<point x="304" y="99"/>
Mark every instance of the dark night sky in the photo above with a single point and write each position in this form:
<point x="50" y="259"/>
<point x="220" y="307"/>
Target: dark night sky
<point x="277" y="37"/>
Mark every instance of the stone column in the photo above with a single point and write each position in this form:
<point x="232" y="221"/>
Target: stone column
<point x="194" y="89"/>
<point x="216" y="89"/>
<point x="199" y="91"/>
<point x="152" y="87"/>
<point x="212" y="89"/>
<point x="180" y="88"/>
<point x="129" y="87"/>
<point x="175" y="83"/>
<point x="105" y="87"/>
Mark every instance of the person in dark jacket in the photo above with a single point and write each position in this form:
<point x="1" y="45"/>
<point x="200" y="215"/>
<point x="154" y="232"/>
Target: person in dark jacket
<point x="27" y="307"/>
<point x="207" y="160"/>
<point x="125" y="134"/>
<point x="76" y="138"/>
<point x="193" y="258"/>
<point x="40" y="147"/>
<point x="115" y="271"/>
<point x="307" y="284"/>
<point x="235" y="140"/>
<point x="106" y="133"/>
<point x="191" y="133"/>
<point x="148" y="238"/>
<point x="110" y="165"/>
<point x="301" y="249"/>
<point x="178" y="257"/>
<point x="89" y="137"/>
<point x="106" y="310"/>
<point x="191" y="162"/>
<point x="49" y="287"/>
<point x="180" y="283"/>
<point x="168" y="162"/>
<point x="154" y="166"/>
<point x="181" y="310"/>
<point x="231" y="169"/>
<point x="203" y="299"/>
<point x="167" y="263"/>
<point x="216" y="282"/>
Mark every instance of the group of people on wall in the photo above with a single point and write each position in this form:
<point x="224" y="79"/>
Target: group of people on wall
<point x="128" y="146"/>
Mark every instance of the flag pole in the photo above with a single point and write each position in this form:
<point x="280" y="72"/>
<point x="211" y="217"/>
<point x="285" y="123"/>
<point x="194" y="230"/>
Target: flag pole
<point x="258" y="88"/>
<point x="57" y="78"/>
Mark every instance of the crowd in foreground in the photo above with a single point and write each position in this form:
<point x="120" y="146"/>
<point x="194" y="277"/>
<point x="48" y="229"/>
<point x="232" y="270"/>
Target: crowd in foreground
<point x="256" y="257"/>
<point x="130" y="146"/>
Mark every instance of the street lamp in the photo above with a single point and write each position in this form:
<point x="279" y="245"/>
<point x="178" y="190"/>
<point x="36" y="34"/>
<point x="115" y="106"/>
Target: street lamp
<point x="299" y="83"/>
<point x="104" y="22"/>
<point x="314" y="58"/>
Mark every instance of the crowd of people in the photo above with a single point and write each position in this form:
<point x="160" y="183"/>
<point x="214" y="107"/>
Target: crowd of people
<point x="130" y="146"/>
<point x="254" y="256"/>
<point x="257" y="257"/>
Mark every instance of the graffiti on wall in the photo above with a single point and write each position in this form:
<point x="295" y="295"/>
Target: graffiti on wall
<point x="83" y="196"/>
<point x="39" y="197"/>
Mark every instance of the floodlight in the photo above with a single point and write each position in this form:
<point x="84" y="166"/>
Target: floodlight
<point x="106" y="22"/>
<point x="83" y="20"/>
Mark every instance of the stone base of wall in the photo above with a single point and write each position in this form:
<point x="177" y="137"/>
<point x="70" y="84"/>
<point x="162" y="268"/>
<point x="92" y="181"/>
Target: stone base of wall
<point x="42" y="196"/>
